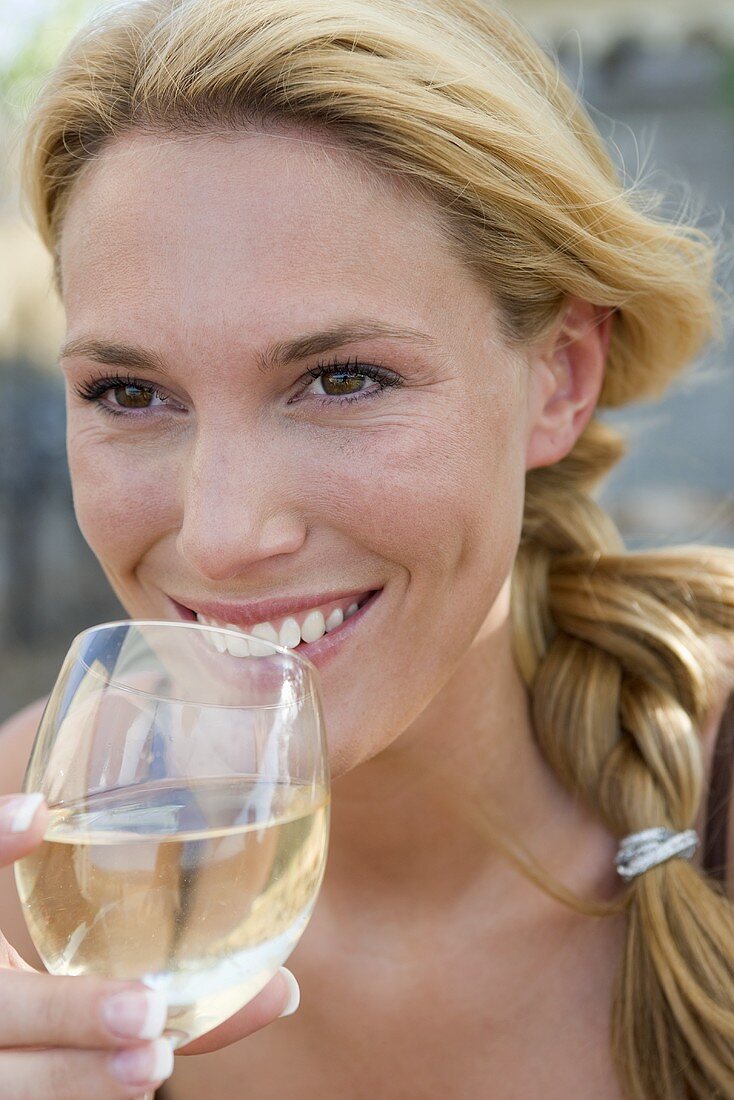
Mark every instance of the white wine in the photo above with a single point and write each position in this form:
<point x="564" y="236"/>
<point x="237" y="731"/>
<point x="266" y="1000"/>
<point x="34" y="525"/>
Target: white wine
<point x="201" y="890"/>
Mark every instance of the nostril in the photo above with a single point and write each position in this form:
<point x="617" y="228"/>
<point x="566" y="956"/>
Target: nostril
<point x="224" y="541"/>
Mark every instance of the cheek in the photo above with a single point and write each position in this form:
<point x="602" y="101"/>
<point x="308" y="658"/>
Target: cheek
<point x="445" y="507"/>
<point x="440" y="495"/>
<point x="437" y="492"/>
<point x="124" y="496"/>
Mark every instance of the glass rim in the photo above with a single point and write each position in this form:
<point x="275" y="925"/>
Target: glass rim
<point x="307" y="665"/>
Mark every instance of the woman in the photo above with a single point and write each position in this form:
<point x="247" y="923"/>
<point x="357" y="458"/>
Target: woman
<point x="346" y="284"/>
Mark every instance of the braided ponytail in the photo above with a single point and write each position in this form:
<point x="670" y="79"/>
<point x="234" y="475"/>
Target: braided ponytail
<point x="612" y="648"/>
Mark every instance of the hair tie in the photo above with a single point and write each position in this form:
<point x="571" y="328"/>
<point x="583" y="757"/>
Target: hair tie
<point x="640" y="851"/>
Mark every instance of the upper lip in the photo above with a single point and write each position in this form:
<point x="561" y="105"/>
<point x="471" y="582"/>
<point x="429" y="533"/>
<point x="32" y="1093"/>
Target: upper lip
<point x="253" y="612"/>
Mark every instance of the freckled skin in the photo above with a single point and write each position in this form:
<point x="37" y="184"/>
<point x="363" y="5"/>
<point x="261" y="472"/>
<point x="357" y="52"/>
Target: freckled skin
<point x="205" y="250"/>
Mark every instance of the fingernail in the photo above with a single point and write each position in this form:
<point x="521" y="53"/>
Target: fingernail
<point x="143" y="1065"/>
<point x="294" y="993"/>
<point x="17" y="813"/>
<point x="135" y="1014"/>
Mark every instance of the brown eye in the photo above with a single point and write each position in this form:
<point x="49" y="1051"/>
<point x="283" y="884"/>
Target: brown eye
<point x="338" y="383"/>
<point x="341" y="383"/>
<point x="133" y="397"/>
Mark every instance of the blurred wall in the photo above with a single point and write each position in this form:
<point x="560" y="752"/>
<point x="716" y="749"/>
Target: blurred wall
<point x="661" y="91"/>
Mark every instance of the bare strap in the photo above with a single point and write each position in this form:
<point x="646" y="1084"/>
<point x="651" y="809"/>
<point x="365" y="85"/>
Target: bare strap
<point x="717" y="808"/>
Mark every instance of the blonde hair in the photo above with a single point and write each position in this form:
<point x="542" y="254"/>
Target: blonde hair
<point x="616" y="648"/>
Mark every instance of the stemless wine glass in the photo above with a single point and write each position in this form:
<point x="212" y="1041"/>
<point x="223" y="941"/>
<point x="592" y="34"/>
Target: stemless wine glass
<point x="189" y="797"/>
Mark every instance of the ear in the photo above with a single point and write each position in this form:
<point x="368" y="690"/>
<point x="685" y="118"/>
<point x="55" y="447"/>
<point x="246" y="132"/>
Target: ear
<point x="566" y="375"/>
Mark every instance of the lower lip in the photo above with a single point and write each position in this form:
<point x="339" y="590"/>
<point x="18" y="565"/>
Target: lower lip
<point x="322" y="652"/>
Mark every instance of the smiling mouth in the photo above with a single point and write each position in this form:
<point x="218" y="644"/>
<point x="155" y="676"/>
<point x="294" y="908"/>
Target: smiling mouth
<point x="299" y="630"/>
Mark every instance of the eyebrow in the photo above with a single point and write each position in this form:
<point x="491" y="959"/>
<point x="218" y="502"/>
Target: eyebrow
<point x="277" y="355"/>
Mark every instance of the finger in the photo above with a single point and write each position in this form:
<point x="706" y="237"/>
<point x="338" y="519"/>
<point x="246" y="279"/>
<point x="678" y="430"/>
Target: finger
<point x="85" y="1075"/>
<point x="23" y="820"/>
<point x="85" y="1013"/>
<point x="280" y="997"/>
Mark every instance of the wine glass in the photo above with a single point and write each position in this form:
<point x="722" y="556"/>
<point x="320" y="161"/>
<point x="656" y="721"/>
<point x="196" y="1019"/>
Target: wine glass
<point x="189" y="798"/>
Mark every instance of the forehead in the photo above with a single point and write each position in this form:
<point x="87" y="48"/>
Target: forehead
<point x="224" y="228"/>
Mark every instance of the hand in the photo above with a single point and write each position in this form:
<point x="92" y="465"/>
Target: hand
<point x="81" y="1038"/>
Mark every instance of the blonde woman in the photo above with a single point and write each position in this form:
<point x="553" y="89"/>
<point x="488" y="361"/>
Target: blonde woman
<point x="346" y="283"/>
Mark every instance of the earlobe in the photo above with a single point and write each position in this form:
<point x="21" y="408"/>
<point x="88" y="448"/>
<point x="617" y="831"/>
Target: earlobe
<point x="565" y="382"/>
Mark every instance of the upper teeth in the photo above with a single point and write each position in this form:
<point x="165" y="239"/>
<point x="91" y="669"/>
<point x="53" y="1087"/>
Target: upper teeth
<point x="310" y="628"/>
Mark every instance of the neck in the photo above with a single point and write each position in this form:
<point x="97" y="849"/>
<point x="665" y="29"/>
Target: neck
<point x="402" y="840"/>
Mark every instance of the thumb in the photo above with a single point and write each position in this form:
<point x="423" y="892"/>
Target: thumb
<point x="280" y="997"/>
<point x="23" y="820"/>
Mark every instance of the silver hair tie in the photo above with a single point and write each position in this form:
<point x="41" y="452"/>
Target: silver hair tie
<point x="640" y="851"/>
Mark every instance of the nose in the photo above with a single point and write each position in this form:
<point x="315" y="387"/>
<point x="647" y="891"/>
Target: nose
<point x="239" y="506"/>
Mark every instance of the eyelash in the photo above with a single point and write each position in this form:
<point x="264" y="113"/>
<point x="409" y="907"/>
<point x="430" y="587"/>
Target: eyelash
<point x="387" y="379"/>
<point x="94" y="389"/>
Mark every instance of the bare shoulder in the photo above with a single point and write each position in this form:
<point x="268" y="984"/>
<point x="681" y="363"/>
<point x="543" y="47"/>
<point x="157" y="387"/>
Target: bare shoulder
<point x="16" y="740"/>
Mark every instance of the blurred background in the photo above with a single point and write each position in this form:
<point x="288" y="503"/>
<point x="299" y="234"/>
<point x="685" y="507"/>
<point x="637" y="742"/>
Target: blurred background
<point x="658" y="78"/>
